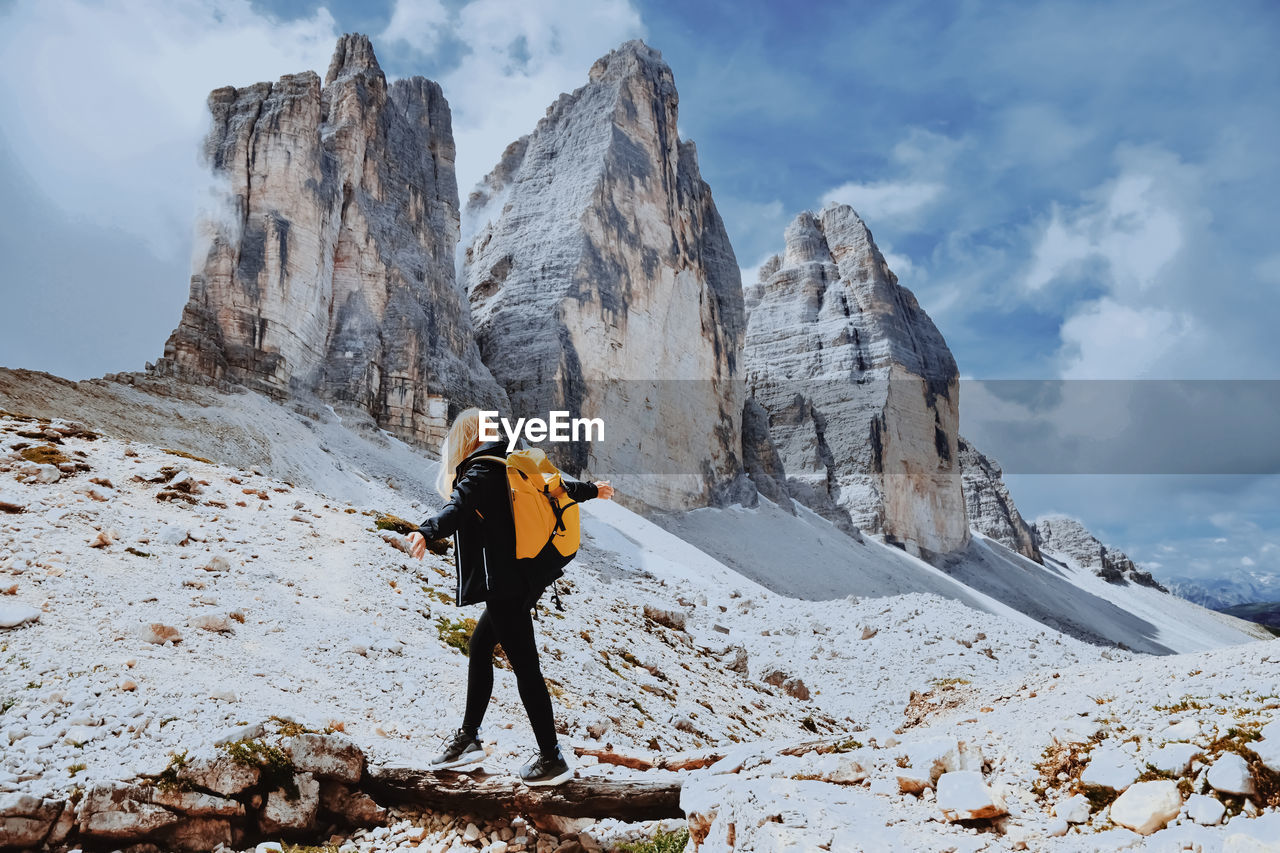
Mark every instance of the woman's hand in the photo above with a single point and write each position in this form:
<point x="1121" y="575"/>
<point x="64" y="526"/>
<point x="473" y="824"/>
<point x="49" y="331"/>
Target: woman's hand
<point x="605" y="490"/>
<point x="417" y="545"/>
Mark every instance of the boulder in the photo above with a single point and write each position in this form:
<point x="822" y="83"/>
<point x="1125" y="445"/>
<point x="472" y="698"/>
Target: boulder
<point x="1205" y="810"/>
<point x="1146" y="807"/>
<point x="122" y="812"/>
<point x="1268" y="749"/>
<point x="283" y="813"/>
<point x="196" y="804"/>
<point x="1110" y="768"/>
<point x="197" y="834"/>
<point x="790" y="685"/>
<point x="25" y="820"/>
<point x="1230" y="775"/>
<point x="352" y="807"/>
<point x="673" y="619"/>
<point x="1074" y="809"/>
<point x="159" y="633"/>
<point x="220" y="774"/>
<point x="963" y="795"/>
<point x="1174" y="758"/>
<point x="326" y="756"/>
<point x="15" y="613"/>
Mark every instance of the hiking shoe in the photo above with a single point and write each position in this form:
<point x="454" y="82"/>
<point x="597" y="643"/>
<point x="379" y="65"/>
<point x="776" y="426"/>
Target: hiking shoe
<point x="546" y="770"/>
<point x="461" y="749"/>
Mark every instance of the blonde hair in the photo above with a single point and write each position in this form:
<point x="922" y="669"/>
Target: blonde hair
<point x="462" y="440"/>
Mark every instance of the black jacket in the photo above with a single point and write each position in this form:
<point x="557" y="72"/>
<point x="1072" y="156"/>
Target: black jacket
<point x="478" y="516"/>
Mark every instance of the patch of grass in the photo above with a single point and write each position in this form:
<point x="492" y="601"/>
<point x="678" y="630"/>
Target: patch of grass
<point x="394" y="523"/>
<point x="1098" y="796"/>
<point x="77" y="768"/>
<point x="1152" y="774"/>
<point x="45" y="454"/>
<point x="7" y="703"/>
<point x="290" y="728"/>
<point x="169" y="780"/>
<point x="847" y="745"/>
<point x="275" y="764"/>
<point x="1069" y="759"/>
<point x="301" y="848"/>
<point x="186" y="455"/>
<point x="456" y="633"/>
<point x="33" y="685"/>
<point x="949" y="682"/>
<point x="1186" y="703"/>
<point x="663" y="842"/>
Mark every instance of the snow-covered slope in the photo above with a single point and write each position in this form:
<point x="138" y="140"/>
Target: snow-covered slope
<point x="312" y="614"/>
<point x="807" y="557"/>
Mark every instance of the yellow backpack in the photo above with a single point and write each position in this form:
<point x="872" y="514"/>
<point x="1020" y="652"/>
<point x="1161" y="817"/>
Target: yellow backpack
<point x="547" y="524"/>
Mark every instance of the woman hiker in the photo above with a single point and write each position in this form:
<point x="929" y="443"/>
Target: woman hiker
<point x="479" y="511"/>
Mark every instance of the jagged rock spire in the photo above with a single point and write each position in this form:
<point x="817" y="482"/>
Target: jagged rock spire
<point x="331" y="271"/>
<point x="599" y="255"/>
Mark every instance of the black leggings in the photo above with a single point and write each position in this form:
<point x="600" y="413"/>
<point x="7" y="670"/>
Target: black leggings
<point x="508" y="621"/>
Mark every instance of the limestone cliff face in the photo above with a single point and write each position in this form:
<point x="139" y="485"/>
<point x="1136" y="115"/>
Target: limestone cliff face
<point x="333" y="272"/>
<point x="989" y="505"/>
<point x="1059" y="534"/>
<point x="861" y="390"/>
<point x="602" y="281"/>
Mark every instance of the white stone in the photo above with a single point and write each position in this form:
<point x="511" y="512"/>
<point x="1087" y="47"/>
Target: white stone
<point x="1110" y="768"/>
<point x="1268" y="750"/>
<point x="15" y="613"/>
<point x="1205" y="810"/>
<point x="1174" y="757"/>
<point x="1230" y="775"/>
<point x="1074" y="809"/>
<point x="1146" y="807"/>
<point x="158" y="633"/>
<point x="963" y="795"/>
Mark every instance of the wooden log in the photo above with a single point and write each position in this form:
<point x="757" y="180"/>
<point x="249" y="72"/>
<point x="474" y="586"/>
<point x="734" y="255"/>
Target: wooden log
<point x="677" y="762"/>
<point x="487" y="795"/>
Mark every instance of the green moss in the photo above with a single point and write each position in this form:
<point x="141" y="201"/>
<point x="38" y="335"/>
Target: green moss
<point x="847" y="745"/>
<point x="290" y="728"/>
<point x="456" y="633"/>
<point x="394" y="523"/>
<point x="169" y="780"/>
<point x="663" y="842"/>
<point x="950" y="682"/>
<point x="274" y="763"/>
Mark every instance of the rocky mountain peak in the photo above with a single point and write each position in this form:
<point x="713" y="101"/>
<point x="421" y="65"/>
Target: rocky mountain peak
<point x="630" y="59"/>
<point x="353" y="55"/>
<point x="599" y="247"/>
<point x="1065" y="535"/>
<point x="860" y="387"/>
<point x="331" y="271"/>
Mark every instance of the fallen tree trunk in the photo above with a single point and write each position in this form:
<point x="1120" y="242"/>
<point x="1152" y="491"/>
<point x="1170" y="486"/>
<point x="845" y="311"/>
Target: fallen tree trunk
<point x="484" y="795"/>
<point x="677" y="762"/>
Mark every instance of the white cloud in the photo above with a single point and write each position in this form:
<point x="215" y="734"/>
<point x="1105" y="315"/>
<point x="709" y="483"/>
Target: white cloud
<point x="518" y="58"/>
<point x="884" y="200"/>
<point x="1108" y="340"/>
<point x="104" y="104"/>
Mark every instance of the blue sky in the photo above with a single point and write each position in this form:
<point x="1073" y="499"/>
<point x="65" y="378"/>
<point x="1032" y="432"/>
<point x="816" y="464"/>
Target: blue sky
<point x="1072" y="189"/>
